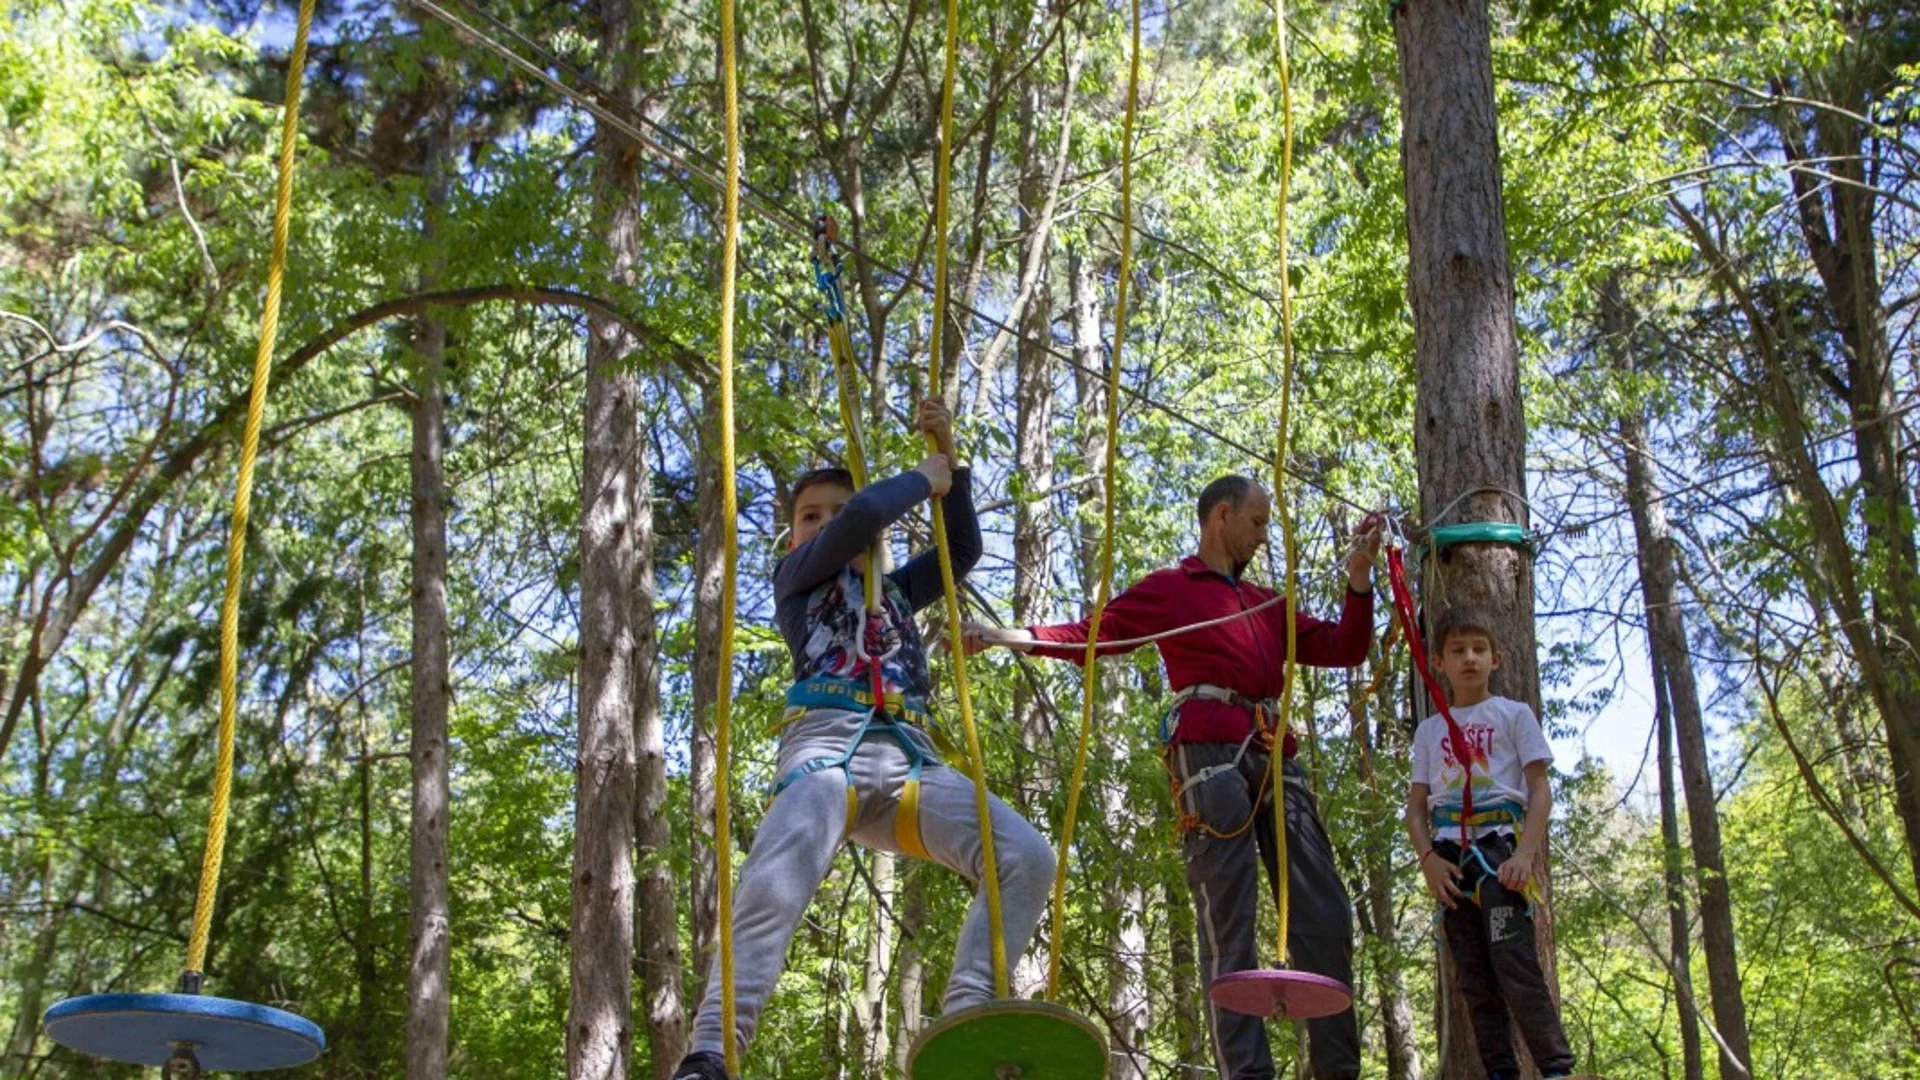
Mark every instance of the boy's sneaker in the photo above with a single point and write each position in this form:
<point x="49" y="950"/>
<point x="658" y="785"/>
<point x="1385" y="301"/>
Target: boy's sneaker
<point x="701" y="1066"/>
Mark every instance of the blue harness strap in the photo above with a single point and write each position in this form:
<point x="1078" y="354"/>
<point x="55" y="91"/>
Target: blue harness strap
<point x="828" y="692"/>
<point x="824" y="692"/>
<point x="1504" y="812"/>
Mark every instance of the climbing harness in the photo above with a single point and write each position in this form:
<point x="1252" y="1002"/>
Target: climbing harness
<point x="826" y="693"/>
<point x="1259" y="731"/>
<point x="185" y="1032"/>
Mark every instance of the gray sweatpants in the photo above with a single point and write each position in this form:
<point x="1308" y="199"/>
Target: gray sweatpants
<point x="805" y="827"/>
<point x="1224" y="877"/>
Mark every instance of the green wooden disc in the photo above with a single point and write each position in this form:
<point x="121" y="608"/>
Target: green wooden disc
<point x="1010" y="1040"/>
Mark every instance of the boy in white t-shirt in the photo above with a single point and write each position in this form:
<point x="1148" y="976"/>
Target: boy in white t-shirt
<point x="1478" y="869"/>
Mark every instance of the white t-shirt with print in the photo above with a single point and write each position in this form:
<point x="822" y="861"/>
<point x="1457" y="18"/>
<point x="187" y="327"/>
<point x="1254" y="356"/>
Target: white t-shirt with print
<point x="1503" y="737"/>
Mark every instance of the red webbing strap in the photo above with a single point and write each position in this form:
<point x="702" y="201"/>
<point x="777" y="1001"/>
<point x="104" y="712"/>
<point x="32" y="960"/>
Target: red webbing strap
<point x="871" y="640"/>
<point x="1403" y="600"/>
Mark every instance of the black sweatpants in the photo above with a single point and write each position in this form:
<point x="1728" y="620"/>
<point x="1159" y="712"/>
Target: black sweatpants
<point x="1498" y="964"/>
<point x="1226" y="895"/>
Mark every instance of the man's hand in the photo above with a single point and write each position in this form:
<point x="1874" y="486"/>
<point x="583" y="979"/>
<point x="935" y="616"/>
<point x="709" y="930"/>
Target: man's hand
<point x="1366" y="547"/>
<point x="936" y="420"/>
<point x="939" y="472"/>
<point x="979" y="637"/>
<point x="1441" y="875"/>
<point x="1518" y="869"/>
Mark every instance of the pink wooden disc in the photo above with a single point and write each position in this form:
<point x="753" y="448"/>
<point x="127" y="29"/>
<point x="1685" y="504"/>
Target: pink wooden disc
<point x="1283" y="995"/>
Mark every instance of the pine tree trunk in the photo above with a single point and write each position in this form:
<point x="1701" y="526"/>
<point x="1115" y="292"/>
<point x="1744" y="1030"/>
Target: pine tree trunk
<point x="429" y="997"/>
<point x="1469" y="429"/>
<point x="600" y="1013"/>
<point x="1678" y="706"/>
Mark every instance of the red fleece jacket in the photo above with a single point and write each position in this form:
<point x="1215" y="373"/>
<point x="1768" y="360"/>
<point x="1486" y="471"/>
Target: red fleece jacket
<point x="1246" y="655"/>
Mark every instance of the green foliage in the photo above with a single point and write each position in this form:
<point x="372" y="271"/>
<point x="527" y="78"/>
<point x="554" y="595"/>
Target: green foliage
<point x="135" y="172"/>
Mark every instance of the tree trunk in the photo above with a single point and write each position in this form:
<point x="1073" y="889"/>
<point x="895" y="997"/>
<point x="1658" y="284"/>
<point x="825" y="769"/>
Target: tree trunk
<point x="1837" y="221"/>
<point x="429" y="997"/>
<point x="30" y="993"/>
<point x="872" y="1032"/>
<point x="1033" y="453"/>
<point x="366" y="958"/>
<point x="912" y="967"/>
<point x="1679" y="937"/>
<point x="1469" y="430"/>
<point x="1377" y="916"/>
<point x="706" y="683"/>
<point x="1189" y="1030"/>
<point x="600" y="1013"/>
<point x="626" y="28"/>
<point x="1128" y="1003"/>
<point x="1832" y="569"/>
<point x="657" y="921"/>
<point x="1677" y="696"/>
<point x="1089" y="395"/>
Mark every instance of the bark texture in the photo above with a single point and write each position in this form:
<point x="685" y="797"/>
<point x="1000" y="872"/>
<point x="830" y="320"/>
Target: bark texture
<point x="1469" y="433"/>
<point x="600" y="1012"/>
<point x="429" y="995"/>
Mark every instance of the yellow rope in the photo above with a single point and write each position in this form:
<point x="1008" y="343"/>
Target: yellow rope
<point x="242" y="504"/>
<point x="730" y="559"/>
<point x="1088" y="679"/>
<point x="1279" y="469"/>
<point x="943" y="172"/>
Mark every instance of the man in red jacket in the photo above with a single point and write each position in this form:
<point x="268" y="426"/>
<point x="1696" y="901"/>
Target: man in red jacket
<point x="1219" y="733"/>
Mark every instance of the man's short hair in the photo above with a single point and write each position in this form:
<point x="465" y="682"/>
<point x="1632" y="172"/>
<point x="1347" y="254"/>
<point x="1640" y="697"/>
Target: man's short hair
<point x="832" y="474"/>
<point x="1232" y="490"/>
<point x="1463" y="620"/>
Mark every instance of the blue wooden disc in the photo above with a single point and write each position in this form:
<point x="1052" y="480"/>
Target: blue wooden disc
<point x="142" y="1029"/>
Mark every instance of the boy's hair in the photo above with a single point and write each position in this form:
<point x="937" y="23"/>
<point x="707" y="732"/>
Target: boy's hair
<point x="1463" y="620"/>
<point x="1231" y="489"/>
<point x="813" y="478"/>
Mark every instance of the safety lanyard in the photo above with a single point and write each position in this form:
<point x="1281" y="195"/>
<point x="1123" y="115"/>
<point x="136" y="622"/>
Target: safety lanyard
<point x="1462" y="752"/>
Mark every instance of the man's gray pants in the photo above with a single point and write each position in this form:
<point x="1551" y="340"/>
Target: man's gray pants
<point x="805" y="827"/>
<point x="1226" y="894"/>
